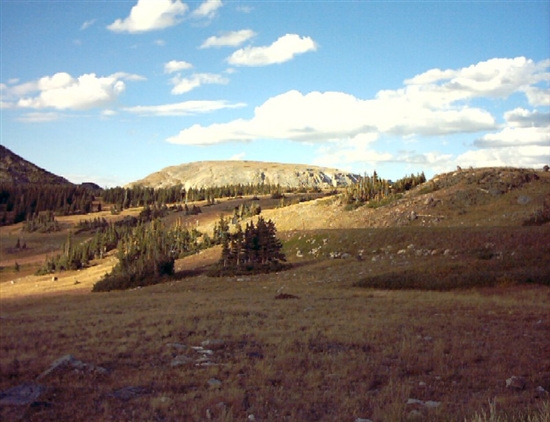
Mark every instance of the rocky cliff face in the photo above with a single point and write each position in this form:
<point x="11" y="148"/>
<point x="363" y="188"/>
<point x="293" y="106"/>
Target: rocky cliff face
<point x="17" y="170"/>
<point x="222" y="173"/>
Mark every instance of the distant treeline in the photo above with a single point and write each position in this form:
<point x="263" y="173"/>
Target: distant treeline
<point x="140" y="196"/>
<point x="24" y="202"/>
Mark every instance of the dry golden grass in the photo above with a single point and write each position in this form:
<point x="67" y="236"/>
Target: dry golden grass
<point x="329" y="352"/>
<point x="334" y="353"/>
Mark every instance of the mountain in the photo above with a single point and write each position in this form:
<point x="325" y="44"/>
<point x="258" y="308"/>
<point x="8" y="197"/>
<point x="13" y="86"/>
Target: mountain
<point x="222" y="173"/>
<point x="17" y="170"/>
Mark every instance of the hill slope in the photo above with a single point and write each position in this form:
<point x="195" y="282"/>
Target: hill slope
<point x="17" y="170"/>
<point x="223" y="173"/>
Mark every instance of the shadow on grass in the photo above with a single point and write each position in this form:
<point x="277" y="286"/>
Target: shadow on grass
<point x="456" y="277"/>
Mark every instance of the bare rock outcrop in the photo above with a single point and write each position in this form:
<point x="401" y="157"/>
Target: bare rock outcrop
<point x="204" y="174"/>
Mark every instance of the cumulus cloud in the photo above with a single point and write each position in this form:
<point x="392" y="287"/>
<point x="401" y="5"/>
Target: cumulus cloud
<point x="437" y="103"/>
<point x="63" y="91"/>
<point x="494" y="78"/>
<point x="523" y="128"/>
<point x="208" y="9"/>
<point x="516" y="156"/>
<point x="229" y="39"/>
<point x="282" y="50"/>
<point x="176" y="66"/>
<point x="183" y="85"/>
<point x="151" y="15"/>
<point x="327" y="116"/>
<point x="183" y="109"/>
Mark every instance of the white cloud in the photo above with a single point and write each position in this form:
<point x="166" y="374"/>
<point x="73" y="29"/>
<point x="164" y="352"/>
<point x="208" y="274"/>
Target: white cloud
<point x="62" y="91"/>
<point x="538" y="96"/>
<point x="244" y="9"/>
<point x="495" y="78"/>
<point x="282" y="50"/>
<point x="207" y="9"/>
<point x="437" y="103"/>
<point x="39" y="117"/>
<point x="87" y="24"/>
<point x="521" y="117"/>
<point x="322" y="117"/>
<point x="175" y="66"/>
<point x="151" y="15"/>
<point x="159" y="42"/>
<point x="516" y="156"/>
<point x="523" y="128"/>
<point x="229" y="39"/>
<point x="238" y="157"/>
<point x="183" y="108"/>
<point x="183" y="85"/>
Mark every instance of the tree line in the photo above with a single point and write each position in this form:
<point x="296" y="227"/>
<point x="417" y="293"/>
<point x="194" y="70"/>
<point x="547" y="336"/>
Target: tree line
<point x="22" y="202"/>
<point x="376" y="190"/>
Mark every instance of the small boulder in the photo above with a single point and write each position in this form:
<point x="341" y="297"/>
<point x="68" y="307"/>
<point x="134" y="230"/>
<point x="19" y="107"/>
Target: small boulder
<point x="515" y="383"/>
<point x="181" y="360"/>
<point x="214" y="383"/>
<point x="69" y="361"/>
<point x="524" y="199"/>
<point x="21" y="395"/>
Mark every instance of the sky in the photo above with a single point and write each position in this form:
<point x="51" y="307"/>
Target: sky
<point x="111" y="91"/>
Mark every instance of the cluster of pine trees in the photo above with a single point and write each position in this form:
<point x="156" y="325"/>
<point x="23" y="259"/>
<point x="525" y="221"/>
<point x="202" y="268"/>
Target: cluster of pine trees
<point x="375" y="189"/>
<point x="148" y="253"/>
<point x="17" y="202"/>
<point x="76" y="255"/>
<point x="255" y="249"/>
<point x="42" y="222"/>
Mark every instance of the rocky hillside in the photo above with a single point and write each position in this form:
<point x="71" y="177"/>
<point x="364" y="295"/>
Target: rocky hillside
<point x="223" y="173"/>
<point x="17" y="170"/>
<point x="484" y="197"/>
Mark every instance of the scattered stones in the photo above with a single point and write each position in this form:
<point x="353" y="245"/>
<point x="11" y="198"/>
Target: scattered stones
<point x="362" y="420"/>
<point x="430" y="404"/>
<point x="21" y="395"/>
<point x="540" y="389"/>
<point x="345" y="255"/>
<point x="214" y="383"/>
<point x="129" y="393"/>
<point x="299" y="254"/>
<point x="181" y="360"/>
<point x="177" y="346"/>
<point x="69" y="361"/>
<point x="515" y="383"/>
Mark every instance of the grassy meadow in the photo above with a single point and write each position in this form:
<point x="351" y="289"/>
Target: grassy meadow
<point x="378" y="323"/>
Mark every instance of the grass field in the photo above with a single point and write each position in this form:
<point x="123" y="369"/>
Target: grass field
<point x="340" y="336"/>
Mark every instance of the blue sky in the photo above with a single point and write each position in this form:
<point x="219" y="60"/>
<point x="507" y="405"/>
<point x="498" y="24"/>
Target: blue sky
<point x="112" y="91"/>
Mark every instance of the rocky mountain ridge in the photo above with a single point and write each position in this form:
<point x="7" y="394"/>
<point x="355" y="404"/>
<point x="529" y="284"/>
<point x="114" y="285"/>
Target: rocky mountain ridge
<point x="204" y="174"/>
<point x="16" y="170"/>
